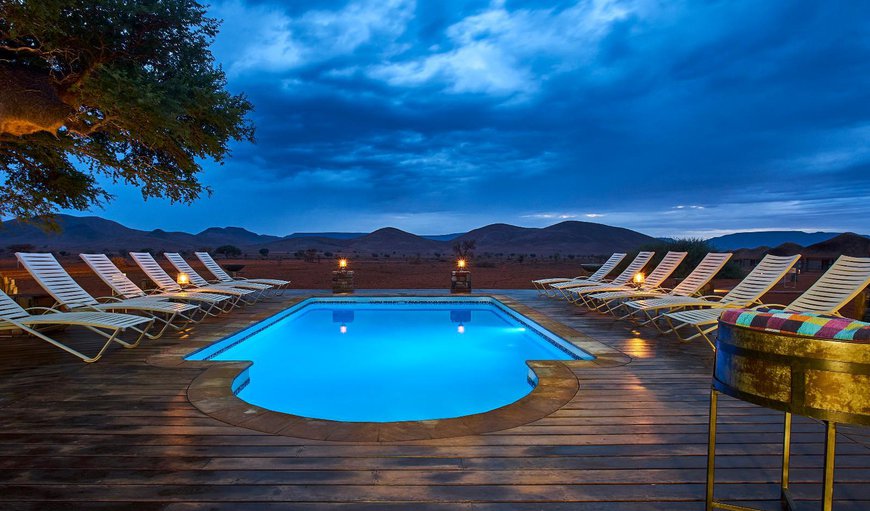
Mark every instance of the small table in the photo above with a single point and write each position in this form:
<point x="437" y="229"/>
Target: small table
<point x="823" y="378"/>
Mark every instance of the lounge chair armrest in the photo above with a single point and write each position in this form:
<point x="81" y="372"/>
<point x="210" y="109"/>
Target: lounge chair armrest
<point x="107" y="299"/>
<point x="45" y="310"/>
<point x="771" y="305"/>
<point x="711" y="297"/>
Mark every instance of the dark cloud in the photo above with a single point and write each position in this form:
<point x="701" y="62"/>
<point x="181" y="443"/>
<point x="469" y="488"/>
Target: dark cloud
<point x="442" y="116"/>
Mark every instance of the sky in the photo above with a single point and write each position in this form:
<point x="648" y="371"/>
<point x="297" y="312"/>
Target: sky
<point x="674" y="118"/>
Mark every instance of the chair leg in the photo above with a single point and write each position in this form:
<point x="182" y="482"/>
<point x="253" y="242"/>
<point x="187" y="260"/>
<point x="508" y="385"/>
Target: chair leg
<point x="711" y="449"/>
<point x="110" y="339"/>
<point x="828" y="482"/>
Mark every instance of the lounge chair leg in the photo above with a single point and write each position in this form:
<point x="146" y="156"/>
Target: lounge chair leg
<point x="110" y="339"/>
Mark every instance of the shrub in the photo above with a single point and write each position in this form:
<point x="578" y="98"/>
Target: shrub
<point x="229" y="251"/>
<point x="696" y="249"/>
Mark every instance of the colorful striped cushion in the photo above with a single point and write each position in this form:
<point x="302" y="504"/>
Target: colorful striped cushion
<point x="798" y="323"/>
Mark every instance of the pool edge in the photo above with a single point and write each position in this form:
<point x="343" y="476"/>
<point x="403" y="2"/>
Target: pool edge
<point x="212" y="391"/>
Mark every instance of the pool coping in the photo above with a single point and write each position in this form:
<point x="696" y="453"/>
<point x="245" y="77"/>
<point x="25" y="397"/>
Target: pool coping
<point x="212" y="391"/>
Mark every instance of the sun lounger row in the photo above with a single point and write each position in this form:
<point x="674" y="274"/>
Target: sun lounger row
<point x="148" y="315"/>
<point x="683" y="312"/>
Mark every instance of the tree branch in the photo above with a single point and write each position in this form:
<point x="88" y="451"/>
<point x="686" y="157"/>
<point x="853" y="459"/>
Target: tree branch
<point x="23" y="49"/>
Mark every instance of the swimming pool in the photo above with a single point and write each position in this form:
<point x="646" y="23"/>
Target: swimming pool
<point x="389" y="359"/>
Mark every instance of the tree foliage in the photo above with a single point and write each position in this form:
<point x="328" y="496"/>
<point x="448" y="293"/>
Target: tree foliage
<point x="696" y="249"/>
<point x="464" y="249"/>
<point x="229" y="251"/>
<point x="126" y="89"/>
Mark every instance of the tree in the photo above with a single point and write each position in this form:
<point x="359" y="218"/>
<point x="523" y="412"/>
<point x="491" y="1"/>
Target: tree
<point x="464" y="249"/>
<point x="264" y="252"/>
<point x="123" y="89"/>
<point x="229" y="251"/>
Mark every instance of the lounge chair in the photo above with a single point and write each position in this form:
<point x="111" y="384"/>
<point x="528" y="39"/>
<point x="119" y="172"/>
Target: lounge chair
<point x="198" y="280"/>
<point x="689" y="286"/>
<point x="655" y="279"/>
<point x="622" y="279"/>
<point x="51" y="276"/>
<point x="222" y="276"/>
<point x="159" y="276"/>
<point x="843" y="281"/>
<point x="210" y="303"/>
<point x="748" y="292"/>
<point x="544" y="285"/>
<point x="106" y="324"/>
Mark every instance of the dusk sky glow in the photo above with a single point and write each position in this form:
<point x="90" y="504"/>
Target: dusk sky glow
<point x="674" y="118"/>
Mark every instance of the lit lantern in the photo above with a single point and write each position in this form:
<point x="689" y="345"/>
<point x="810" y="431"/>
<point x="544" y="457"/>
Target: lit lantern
<point x="460" y="264"/>
<point x="460" y="329"/>
<point x="638" y="279"/>
<point x="183" y="279"/>
<point x="342" y="264"/>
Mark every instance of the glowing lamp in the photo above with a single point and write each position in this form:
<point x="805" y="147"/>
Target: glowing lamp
<point x="460" y="264"/>
<point x="343" y="329"/>
<point x="460" y="329"/>
<point x="183" y="279"/>
<point x="342" y="264"/>
<point x="638" y="279"/>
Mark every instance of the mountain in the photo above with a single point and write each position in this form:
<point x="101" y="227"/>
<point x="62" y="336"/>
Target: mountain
<point x="848" y="243"/>
<point x="97" y="234"/>
<point x="768" y="239"/>
<point x="91" y="233"/>
<point x="335" y="235"/>
<point x="571" y="237"/>
<point x="217" y="236"/>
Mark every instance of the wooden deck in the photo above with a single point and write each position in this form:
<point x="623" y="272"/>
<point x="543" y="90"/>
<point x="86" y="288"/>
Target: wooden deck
<point x="121" y="434"/>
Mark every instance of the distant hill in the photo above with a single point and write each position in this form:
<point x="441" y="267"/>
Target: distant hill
<point x="81" y="233"/>
<point x="769" y="239"/>
<point x="97" y="234"/>
<point x="848" y="243"/>
<point x="333" y="235"/>
<point x="564" y="238"/>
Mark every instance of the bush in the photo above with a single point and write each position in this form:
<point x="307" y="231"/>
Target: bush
<point x="696" y="249"/>
<point x="229" y="251"/>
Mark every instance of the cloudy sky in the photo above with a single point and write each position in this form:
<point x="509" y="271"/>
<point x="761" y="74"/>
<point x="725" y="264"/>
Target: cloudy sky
<point x="670" y="117"/>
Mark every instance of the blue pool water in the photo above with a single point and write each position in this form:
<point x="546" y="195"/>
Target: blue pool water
<point x="381" y="360"/>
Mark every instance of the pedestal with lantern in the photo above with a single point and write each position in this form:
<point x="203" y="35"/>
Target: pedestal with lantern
<point x="460" y="278"/>
<point x="183" y="280"/>
<point x="342" y="279"/>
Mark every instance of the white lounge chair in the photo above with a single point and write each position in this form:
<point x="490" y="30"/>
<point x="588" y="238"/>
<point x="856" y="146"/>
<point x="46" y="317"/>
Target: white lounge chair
<point x="51" y="276"/>
<point x="544" y="286"/>
<point x="159" y="276"/>
<point x="748" y="292"/>
<point x="662" y="271"/>
<point x="198" y="280"/>
<point x="222" y="276"/>
<point x="843" y="281"/>
<point x="106" y="324"/>
<point x="211" y="304"/>
<point x="641" y="259"/>
<point x="689" y="286"/>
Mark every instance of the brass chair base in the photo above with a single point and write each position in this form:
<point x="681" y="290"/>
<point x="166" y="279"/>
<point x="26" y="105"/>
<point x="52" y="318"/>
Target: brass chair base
<point x="786" y="500"/>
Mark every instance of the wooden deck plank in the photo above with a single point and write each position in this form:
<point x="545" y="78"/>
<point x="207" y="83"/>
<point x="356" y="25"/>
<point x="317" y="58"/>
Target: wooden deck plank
<point x="122" y="433"/>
